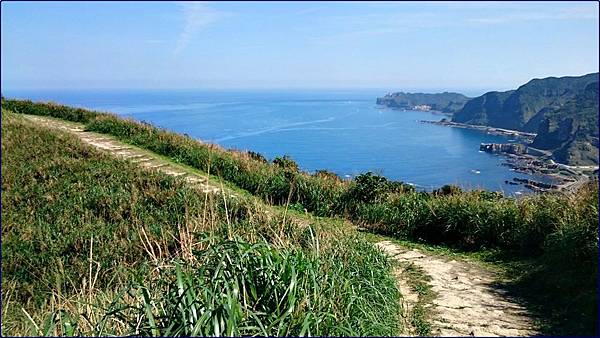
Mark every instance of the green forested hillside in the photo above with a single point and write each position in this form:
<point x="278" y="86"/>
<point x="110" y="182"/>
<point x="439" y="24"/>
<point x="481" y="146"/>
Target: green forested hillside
<point x="572" y="130"/>
<point x="444" y="102"/>
<point x="562" y="110"/>
<point x="523" y="108"/>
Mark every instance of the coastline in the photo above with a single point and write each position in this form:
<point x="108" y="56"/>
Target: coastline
<point x="533" y="161"/>
<point x="528" y="137"/>
<point x="416" y="108"/>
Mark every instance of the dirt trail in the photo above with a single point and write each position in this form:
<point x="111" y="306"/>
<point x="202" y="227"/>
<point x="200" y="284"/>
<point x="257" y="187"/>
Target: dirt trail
<point x="123" y="150"/>
<point x="467" y="303"/>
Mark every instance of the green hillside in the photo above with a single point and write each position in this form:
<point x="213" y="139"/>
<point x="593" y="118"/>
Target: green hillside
<point x="444" y="102"/>
<point x="93" y="245"/>
<point x="549" y="107"/>
<point x="572" y="130"/>
<point x="523" y="108"/>
<point x="60" y="196"/>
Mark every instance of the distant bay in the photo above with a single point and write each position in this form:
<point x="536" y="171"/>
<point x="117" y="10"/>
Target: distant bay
<point x="341" y="131"/>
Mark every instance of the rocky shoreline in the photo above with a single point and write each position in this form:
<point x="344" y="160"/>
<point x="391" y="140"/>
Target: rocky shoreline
<point x="556" y="176"/>
<point x="522" y="136"/>
<point x="522" y="158"/>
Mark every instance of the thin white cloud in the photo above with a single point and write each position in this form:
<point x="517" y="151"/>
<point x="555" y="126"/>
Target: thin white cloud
<point x="349" y="27"/>
<point x="573" y="13"/>
<point x="197" y="15"/>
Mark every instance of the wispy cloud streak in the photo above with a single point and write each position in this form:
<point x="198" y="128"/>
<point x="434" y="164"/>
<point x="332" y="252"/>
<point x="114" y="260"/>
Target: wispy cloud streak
<point x="349" y="27"/>
<point x="197" y="15"/>
<point x="574" y="13"/>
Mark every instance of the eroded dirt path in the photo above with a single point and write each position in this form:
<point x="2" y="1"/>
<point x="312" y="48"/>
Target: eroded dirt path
<point x="467" y="301"/>
<point x="123" y="150"/>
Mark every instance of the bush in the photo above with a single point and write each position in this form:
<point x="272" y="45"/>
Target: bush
<point x="80" y="225"/>
<point x="257" y="156"/>
<point x="448" y="190"/>
<point x="467" y="219"/>
<point x="49" y="109"/>
<point x="327" y="175"/>
<point x="286" y="163"/>
<point x="235" y="288"/>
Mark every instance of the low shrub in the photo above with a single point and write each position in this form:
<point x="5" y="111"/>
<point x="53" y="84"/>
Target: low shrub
<point x="235" y="288"/>
<point x="449" y="215"/>
<point x="93" y="245"/>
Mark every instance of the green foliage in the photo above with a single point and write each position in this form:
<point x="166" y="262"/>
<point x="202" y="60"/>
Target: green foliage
<point x="79" y="227"/>
<point x="49" y="109"/>
<point x="279" y="183"/>
<point x="236" y="288"/>
<point x="448" y="190"/>
<point x="367" y="188"/>
<point x="562" y="111"/>
<point x="327" y="175"/>
<point x="370" y="187"/>
<point x="563" y="282"/>
<point x="445" y="102"/>
<point x="286" y="163"/>
<point x="257" y="156"/>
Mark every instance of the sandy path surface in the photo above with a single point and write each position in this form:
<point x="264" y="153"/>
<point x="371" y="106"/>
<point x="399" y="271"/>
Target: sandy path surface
<point x="467" y="302"/>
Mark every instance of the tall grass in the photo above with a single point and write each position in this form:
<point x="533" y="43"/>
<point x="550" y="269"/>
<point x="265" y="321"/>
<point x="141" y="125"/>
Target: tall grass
<point x="236" y="288"/>
<point x="470" y="220"/>
<point x="93" y="245"/>
<point x="552" y="227"/>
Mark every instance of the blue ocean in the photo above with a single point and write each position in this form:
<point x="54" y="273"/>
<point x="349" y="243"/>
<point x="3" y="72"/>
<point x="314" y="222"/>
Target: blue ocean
<point x="341" y="131"/>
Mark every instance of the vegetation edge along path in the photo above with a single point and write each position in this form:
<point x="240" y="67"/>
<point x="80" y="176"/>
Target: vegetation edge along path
<point x="126" y="151"/>
<point x="70" y="206"/>
<point x="481" y="321"/>
<point x="468" y="301"/>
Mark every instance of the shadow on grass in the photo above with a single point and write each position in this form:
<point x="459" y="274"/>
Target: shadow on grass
<point x="561" y="297"/>
<point x="563" y="300"/>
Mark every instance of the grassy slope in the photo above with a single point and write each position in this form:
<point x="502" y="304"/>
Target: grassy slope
<point x="556" y="232"/>
<point x="95" y="245"/>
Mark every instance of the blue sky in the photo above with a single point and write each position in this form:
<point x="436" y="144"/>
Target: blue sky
<point x="395" y="46"/>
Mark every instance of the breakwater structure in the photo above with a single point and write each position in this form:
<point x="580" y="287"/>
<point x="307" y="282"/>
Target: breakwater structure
<point x="510" y="148"/>
<point x="521" y="135"/>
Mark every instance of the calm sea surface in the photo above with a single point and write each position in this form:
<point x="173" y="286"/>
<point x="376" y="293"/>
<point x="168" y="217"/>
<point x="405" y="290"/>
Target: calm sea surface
<point x="342" y="131"/>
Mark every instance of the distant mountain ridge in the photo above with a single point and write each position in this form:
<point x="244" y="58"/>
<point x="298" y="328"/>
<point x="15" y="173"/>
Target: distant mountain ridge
<point x="524" y="108"/>
<point x="445" y="102"/>
<point x="562" y="111"/>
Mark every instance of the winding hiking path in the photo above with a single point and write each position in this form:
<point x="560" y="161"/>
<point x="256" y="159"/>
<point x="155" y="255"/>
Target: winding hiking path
<point x="468" y="302"/>
<point x="119" y="149"/>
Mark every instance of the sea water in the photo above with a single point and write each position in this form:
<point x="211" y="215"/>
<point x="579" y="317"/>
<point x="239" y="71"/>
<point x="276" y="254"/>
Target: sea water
<point x="339" y="130"/>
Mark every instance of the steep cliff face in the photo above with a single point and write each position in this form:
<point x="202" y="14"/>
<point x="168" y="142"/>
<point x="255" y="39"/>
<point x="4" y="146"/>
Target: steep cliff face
<point x="524" y="108"/>
<point x="572" y="130"/>
<point x="562" y="111"/>
<point x="445" y="102"/>
<point x="484" y="110"/>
